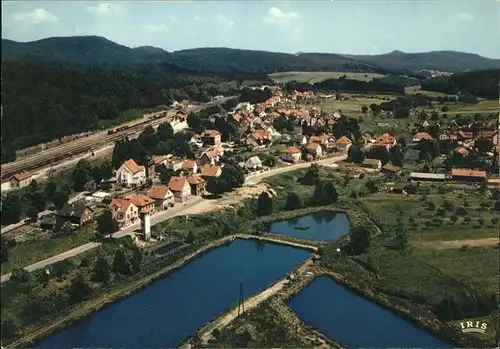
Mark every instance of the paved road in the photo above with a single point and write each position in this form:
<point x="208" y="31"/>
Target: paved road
<point x="177" y="210"/>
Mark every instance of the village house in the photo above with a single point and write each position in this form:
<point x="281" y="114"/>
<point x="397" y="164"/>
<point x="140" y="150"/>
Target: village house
<point x="20" y="180"/>
<point x="390" y="169"/>
<point x="468" y="175"/>
<point x="189" y="166"/>
<point x="160" y="160"/>
<point x="208" y="171"/>
<point x="315" y="150"/>
<point x="197" y="184"/>
<point x="322" y="139"/>
<point x="124" y="211"/>
<point x="375" y="164"/>
<point x="291" y="154"/>
<point x="465" y="135"/>
<point x="143" y="203"/>
<point x="253" y="163"/>
<point x="462" y="151"/>
<point x="130" y="174"/>
<point x="420" y="136"/>
<point x="210" y="137"/>
<point x="180" y="187"/>
<point x="259" y="139"/>
<point x="210" y="156"/>
<point x="179" y="122"/>
<point x="163" y="197"/>
<point x="386" y="140"/>
<point x="76" y="213"/>
<point x="343" y="144"/>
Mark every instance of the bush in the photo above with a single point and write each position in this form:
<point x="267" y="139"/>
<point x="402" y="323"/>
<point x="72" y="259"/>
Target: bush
<point x="461" y="211"/>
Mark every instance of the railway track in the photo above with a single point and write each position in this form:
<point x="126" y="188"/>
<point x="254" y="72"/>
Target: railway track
<point x="91" y="143"/>
<point x="56" y="154"/>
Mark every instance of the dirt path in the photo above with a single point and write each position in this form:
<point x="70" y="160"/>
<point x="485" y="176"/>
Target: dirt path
<point x="443" y="245"/>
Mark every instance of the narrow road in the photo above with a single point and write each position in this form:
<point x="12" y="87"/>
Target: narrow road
<point x="177" y="210"/>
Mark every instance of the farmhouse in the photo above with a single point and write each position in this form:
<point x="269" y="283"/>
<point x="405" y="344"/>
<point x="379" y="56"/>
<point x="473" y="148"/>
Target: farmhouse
<point x="253" y="163"/>
<point x="160" y="160"/>
<point x="291" y="154"/>
<point x="210" y="137"/>
<point x="208" y="171"/>
<point x="76" y="213"/>
<point x="163" y="197"/>
<point x="386" y="140"/>
<point x="343" y="143"/>
<point x="422" y="135"/>
<point x="143" y="203"/>
<point x="180" y="187"/>
<point x="21" y="179"/>
<point x="372" y="163"/>
<point x="197" y="184"/>
<point x="467" y="175"/>
<point x="189" y="166"/>
<point x="315" y="150"/>
<point x="124" y="211"/>
<point x="130" y="174"/>
<point x="390" y="169"/>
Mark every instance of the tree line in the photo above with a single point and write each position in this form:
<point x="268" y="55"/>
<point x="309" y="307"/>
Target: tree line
<point x="481" y="83"/>
<point x="39" y="96"/>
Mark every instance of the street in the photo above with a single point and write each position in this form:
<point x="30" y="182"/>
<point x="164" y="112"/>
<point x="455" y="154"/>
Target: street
<point x="177" y="210"/>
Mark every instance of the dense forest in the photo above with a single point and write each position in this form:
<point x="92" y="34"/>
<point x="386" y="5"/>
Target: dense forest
<point x="343" y="84"/>
<point x="46" y="101"/>
<point x="481" y="83"/>
<point x="94" y="50"/>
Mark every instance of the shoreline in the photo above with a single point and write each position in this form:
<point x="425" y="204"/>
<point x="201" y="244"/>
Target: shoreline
<point x="89" y="307"/>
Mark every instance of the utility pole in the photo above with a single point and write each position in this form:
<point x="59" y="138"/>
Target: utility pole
<point x="241" y="301"/>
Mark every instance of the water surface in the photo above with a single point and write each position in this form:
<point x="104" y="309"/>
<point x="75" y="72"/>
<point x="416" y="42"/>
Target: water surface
<point x="355" y="321"/>
<point x="323" y="226"/>
<point x="171" y="309"/>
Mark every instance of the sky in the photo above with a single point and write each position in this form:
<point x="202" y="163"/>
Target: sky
<point x="349" y="26"/>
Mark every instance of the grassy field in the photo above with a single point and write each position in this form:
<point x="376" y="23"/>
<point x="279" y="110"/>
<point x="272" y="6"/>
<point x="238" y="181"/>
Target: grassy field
<point x="413" y="90"/>
<point x="483" y="107"/>
<point x="314" y="77"/>
<point x="43" y="247"/>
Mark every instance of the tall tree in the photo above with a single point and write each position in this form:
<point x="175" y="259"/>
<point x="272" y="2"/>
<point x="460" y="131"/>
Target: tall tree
<point x="293" y="202"/>
<point x="82" y="174"/>
<point x="106" y="224"/>
<point x="265" y="204"/>
<point x="102" y="270"/>
<point x="165" y="131"/>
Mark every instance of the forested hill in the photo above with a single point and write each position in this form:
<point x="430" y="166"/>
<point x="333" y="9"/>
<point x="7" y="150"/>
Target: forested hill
<point x="43" y="101"/>
<point x="448" y="61"/>
<point x="481" y="83"/>
<point x="94" y="50"/>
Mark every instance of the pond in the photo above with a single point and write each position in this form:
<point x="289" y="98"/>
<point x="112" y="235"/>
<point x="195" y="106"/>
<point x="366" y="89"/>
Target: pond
<point x="173" y="308"/>
<point x="355" y="321"/>
<point x="318" y="226"/>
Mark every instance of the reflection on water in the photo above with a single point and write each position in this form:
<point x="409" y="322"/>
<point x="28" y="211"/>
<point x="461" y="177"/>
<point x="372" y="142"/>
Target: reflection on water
<point x="322" y="226"/>
<point x="355" y="321"/>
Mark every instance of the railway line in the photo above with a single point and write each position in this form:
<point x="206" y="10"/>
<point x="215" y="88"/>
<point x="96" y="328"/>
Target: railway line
<point x="91" y="143"/>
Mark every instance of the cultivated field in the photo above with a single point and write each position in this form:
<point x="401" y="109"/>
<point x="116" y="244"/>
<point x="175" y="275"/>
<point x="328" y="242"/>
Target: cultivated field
<point x="413" y="90"/>
<point x="313" y="77"/>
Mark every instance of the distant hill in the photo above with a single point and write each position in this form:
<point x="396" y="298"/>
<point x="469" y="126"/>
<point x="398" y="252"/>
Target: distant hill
<point x="94" y="50"/>
<point x="86" y="50"/>
<point x="449" y="61"/>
